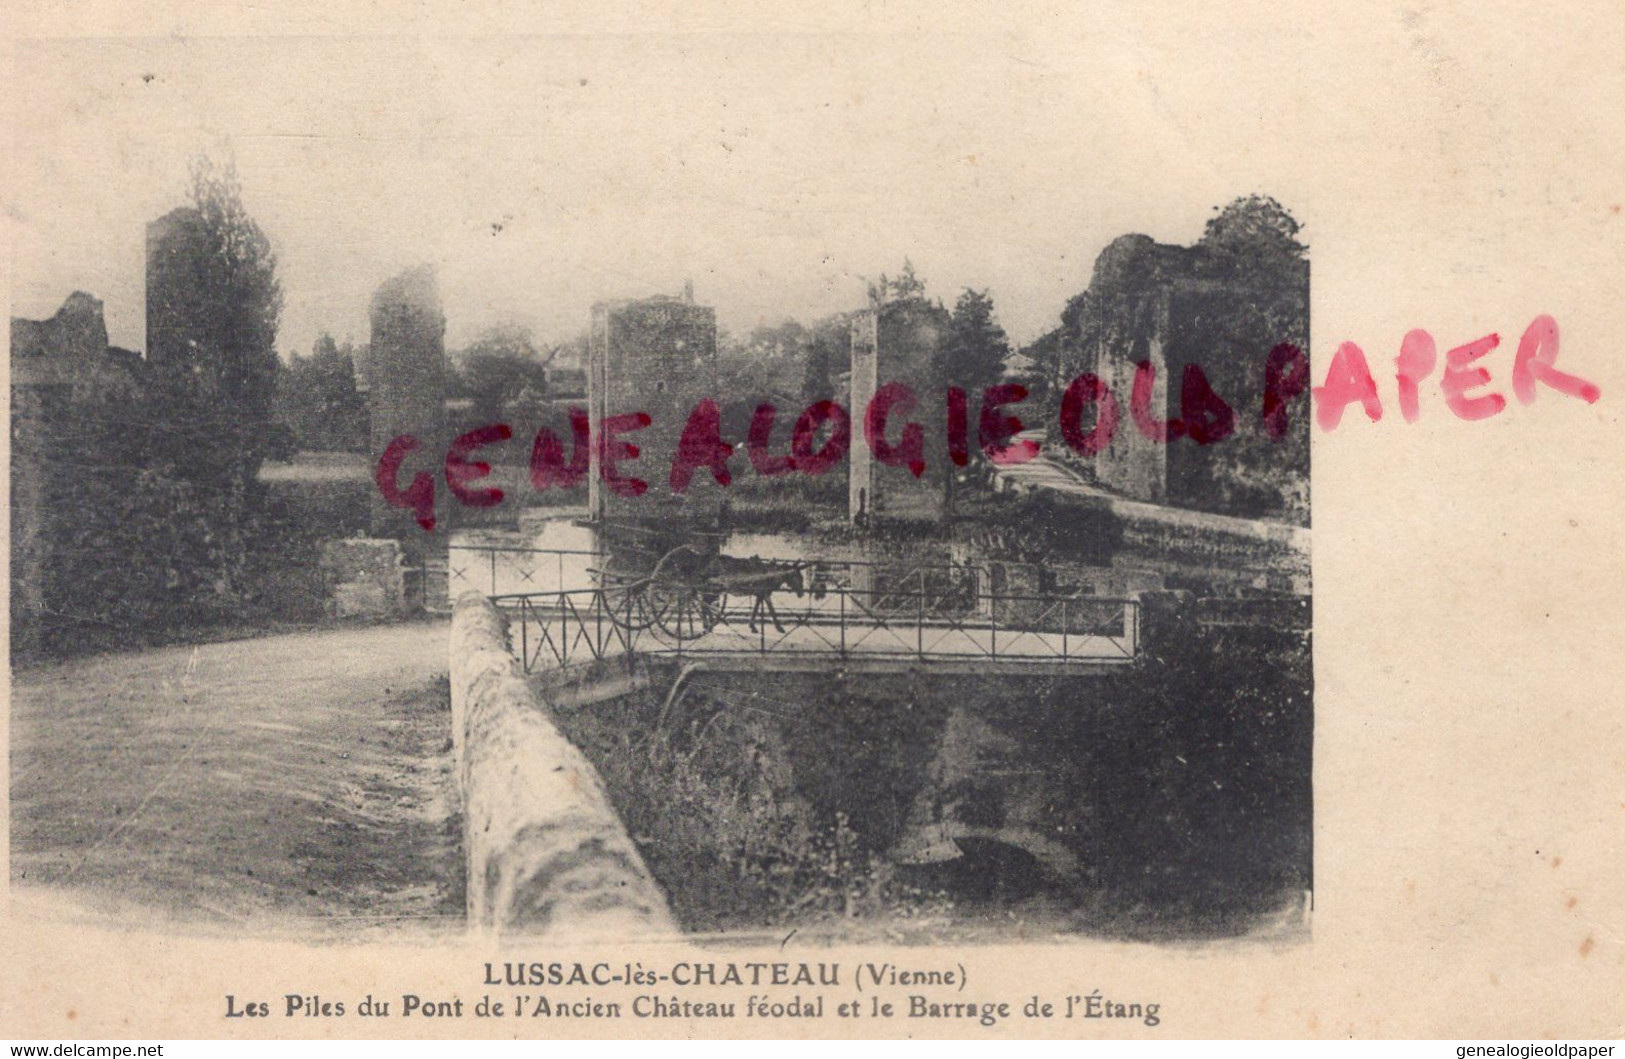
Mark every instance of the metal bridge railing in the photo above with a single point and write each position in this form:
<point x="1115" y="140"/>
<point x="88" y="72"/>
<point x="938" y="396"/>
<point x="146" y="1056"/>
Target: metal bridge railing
<point x="505" y="568"/>
<point x="561" y="628"/>
<point x="499" y="569"/>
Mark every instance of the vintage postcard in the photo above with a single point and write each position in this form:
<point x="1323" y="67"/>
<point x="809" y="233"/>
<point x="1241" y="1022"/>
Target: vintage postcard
<point x="875" y="521"/>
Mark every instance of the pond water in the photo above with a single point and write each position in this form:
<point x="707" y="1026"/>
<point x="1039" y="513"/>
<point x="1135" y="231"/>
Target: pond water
<point x="565" y="553"/>
<point x="557" y="554"/>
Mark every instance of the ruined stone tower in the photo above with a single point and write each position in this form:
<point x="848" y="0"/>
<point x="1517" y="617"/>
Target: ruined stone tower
<point x="1173" y="307"/>
<point x="405" y="373"/>
<point x="659" y="356"/>
<point x="897" y="343"/>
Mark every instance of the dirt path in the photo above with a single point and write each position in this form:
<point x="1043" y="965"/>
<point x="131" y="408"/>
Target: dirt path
<point x="291" y="784"/>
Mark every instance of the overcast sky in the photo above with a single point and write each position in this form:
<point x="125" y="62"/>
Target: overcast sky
<point x="541" y="174"/>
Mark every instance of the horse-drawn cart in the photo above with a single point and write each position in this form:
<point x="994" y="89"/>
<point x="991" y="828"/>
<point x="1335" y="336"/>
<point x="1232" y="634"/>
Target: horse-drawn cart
<point x="686" y="592"/>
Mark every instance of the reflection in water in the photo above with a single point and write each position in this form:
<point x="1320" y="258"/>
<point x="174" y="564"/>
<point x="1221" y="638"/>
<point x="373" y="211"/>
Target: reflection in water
<point x="565" y="553"/>
<point x="562" y="554"/>
<point x="554" y="555"/>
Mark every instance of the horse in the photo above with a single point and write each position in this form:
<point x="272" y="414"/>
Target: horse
<point x="759" y="578"/>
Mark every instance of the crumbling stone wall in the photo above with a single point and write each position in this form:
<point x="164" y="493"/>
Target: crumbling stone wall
<point x="546" y="851"/>
<point x="1175" y="306"/>
<point x="52" y="362"/>
<point x="365" y="578"/>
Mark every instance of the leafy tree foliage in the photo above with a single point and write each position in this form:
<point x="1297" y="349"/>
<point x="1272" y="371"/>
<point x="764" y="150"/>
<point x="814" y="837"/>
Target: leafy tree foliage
<point x="973" y="357"/>
<point x="208" y="394"/>
<point x="905" y="287"/>
<point x="1049" y="353"/>
<point x="1207" y="745"/>
<point x="1255" y="228"/>
<point x="156" y="509"/>
<point x="826" y="357"/>
<point x="317" y="398"/>
<point x="766" y="362"/>
<point x="140" y="540"/>
<point x="499" y="368"/>
<point x="218" y="303"/>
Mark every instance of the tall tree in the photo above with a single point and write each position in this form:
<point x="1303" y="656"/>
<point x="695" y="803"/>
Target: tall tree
<point x="907" y="285"/>
<point x="214" y="293"/>
<point x="973" y="357"/>
<point x="1048" y="353"/>
<point x="819" y="371"/>
<point x="316" y="397"/>
<point x="213" y="305"/>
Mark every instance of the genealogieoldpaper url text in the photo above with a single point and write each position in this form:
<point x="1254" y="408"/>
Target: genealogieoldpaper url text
<point x="935" y="993"/>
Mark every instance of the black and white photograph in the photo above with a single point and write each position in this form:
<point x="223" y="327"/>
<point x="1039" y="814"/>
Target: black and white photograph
<point x="857" y="601"/>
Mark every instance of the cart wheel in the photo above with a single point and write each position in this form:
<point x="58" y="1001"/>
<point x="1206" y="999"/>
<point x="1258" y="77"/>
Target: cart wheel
<point x="630" y="604"/>
<point x="676" y="602"/>
<point x="686" y="612"/>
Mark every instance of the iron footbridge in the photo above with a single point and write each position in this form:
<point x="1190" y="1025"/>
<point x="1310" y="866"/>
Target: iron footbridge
<point x="851" y="627"/>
